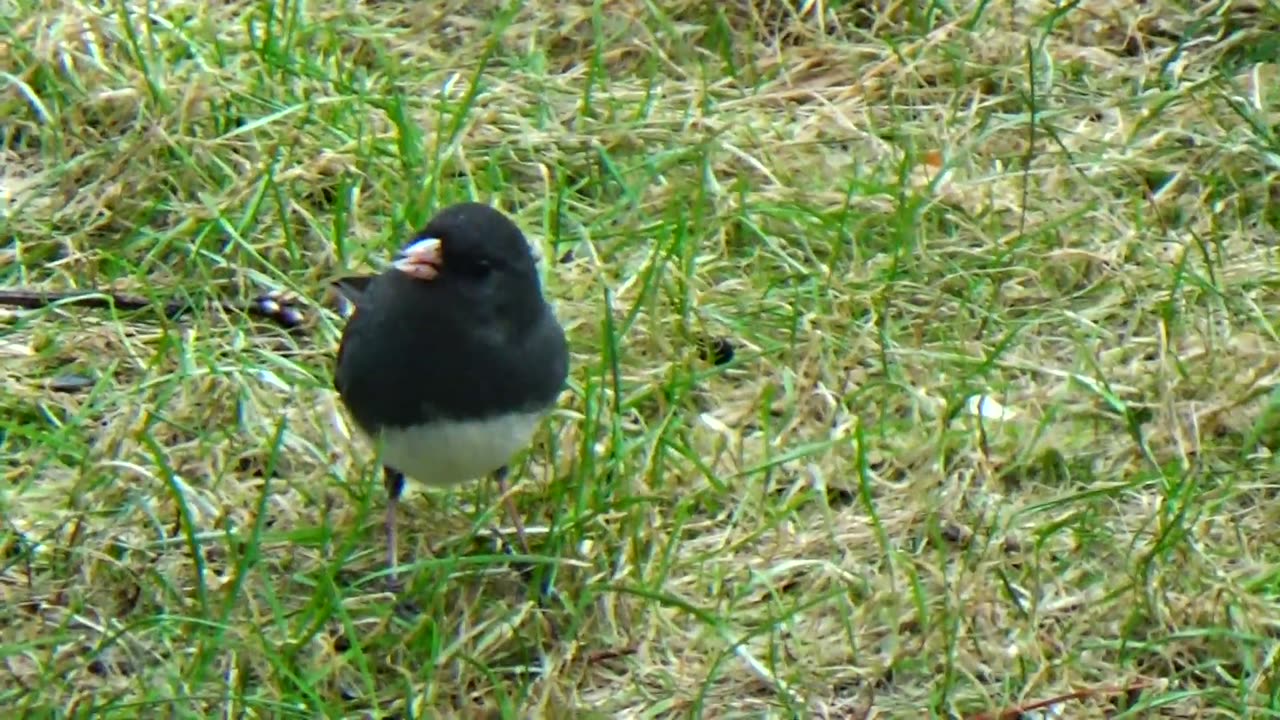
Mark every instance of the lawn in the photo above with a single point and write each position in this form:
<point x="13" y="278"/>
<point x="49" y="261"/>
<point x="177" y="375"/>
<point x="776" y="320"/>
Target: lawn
<point x="924" y="359"/>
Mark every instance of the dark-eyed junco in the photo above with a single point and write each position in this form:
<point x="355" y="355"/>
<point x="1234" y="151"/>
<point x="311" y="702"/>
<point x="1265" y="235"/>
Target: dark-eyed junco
<point x="452" y="356"/>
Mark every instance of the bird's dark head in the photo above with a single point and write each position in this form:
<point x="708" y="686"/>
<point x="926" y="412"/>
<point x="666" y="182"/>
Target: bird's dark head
<point x="469" y="244"/>
<point x="478" y="259"/>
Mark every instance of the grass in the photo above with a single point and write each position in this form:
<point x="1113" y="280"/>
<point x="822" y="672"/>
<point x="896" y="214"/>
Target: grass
<point x="1000" y="280"/>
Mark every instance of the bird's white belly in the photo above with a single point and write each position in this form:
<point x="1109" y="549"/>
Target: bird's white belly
<point x="448" y="453"/>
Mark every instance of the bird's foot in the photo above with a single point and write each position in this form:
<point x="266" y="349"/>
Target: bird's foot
<point x="405" y="606"/>
<point x="530" y="572"/>
<point x="393" y="584"/>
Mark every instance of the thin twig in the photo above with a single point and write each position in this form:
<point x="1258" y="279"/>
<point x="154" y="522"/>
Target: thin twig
<point x="605" y="654"/>
<point x="280" y="308"/>
<point x="1016" y="712"/>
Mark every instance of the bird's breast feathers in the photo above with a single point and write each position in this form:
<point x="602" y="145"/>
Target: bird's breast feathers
<point x="449" y="452"/>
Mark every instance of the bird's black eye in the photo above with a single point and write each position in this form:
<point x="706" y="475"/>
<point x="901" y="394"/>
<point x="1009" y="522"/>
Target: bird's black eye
<point x="480" y="268"/>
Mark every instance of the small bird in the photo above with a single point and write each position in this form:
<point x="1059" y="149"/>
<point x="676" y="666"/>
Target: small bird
<point x="452" y="356"/>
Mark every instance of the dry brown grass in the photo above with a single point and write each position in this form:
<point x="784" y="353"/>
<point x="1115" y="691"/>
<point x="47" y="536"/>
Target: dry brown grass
<point x="1070" y="210"/>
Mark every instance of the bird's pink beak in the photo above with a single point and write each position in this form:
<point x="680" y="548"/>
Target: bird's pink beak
<point x="421" y="260"/>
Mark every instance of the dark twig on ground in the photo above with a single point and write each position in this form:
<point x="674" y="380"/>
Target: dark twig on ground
<point x="1130" y="691"/>
<point x="278" y="307"/>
